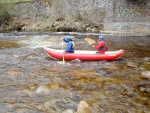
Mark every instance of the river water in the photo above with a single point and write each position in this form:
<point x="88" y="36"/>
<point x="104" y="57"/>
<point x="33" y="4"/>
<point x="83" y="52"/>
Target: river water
<point x="32" y="82"/>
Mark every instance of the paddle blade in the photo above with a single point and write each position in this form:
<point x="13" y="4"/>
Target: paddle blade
<point x="63" y="61"/>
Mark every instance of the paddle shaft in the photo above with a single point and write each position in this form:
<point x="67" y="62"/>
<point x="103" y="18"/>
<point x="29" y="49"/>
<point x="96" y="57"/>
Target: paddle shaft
<point x="63" y="52"/>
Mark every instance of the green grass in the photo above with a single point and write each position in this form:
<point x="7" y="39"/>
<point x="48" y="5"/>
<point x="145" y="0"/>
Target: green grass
<point x="13" y="1"/>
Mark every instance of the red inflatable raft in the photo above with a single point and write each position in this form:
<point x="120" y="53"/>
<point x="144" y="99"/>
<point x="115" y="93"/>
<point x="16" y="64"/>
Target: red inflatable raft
<point x="84" y="55"/>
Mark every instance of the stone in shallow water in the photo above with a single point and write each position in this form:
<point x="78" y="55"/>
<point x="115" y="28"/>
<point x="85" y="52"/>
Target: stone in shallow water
<point x="132" y="64"/>
<point x="145" y="74"/>
<point x="103" y="71"/>
<point x="43" y="90"/>
<point x="68" y="111"/>
<point x="83" y="107"/>
<point x="53" y="85"/>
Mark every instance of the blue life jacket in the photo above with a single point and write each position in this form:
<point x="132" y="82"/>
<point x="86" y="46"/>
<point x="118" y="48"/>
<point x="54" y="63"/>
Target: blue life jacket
<point x="70" y="46"/>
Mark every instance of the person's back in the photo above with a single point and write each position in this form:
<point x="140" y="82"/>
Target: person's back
<point x="101" y="46"/>
<point x="70" y="44"/>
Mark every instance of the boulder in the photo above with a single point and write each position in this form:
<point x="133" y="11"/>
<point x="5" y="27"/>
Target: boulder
<point x="145" y="74"/>
<point x="83" y="107"/>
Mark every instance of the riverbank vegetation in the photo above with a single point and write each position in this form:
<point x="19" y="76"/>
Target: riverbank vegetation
<point x="5" y="17"/>
<point x="13" y="1"/>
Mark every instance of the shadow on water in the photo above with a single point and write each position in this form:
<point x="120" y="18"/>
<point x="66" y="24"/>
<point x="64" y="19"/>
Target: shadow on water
<point x="33" y="82"/>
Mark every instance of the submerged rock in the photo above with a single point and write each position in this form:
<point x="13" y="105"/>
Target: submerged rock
<point x="132" y="64"/>
<point x="83" y="107"/>
<point x="43" y="90"/>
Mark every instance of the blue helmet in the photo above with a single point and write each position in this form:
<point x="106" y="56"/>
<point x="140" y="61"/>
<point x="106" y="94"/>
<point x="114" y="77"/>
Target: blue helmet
<point x="101" y="37"/>
<point x="68" y="38"/>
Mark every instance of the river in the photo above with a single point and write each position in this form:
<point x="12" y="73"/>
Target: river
<point x="32" y="82"/>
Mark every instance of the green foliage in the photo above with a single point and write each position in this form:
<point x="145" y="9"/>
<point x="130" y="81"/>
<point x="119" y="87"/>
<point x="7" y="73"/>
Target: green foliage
<point x="6" y="5"/>
<point x="13" y="1"/>
<point x="5" y="8"/>
<point x="4" y="13"/>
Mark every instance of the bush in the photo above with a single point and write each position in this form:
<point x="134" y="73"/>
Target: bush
<point x="4" y="13"/>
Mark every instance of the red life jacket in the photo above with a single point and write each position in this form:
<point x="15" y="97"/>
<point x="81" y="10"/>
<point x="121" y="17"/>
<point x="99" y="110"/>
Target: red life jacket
<point x="104" y="47"/>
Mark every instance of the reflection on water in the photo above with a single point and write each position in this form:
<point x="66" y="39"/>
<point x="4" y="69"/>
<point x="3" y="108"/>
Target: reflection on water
<point x="31" y="82"/>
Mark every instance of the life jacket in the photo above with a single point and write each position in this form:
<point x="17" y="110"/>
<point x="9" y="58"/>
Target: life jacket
<point x="104" y="48"/>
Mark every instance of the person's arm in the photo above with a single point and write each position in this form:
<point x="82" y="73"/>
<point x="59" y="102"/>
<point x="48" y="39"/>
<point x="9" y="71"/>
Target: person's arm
<point x="98" y="45"/>
<point x="65" y="40"/>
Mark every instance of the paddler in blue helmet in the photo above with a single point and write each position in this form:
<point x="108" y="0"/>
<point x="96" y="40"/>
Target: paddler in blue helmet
<point x="70" y="44"/>
<point x="101" y="46"/>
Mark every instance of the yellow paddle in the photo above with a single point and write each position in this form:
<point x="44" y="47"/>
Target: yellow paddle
<point x="63" y="53"/>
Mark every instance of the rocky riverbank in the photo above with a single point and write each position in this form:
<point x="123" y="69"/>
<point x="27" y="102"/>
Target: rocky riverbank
<point x="47" y="24"/>
<point x="25" y="24"/>
<point x="103" y="16"/>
